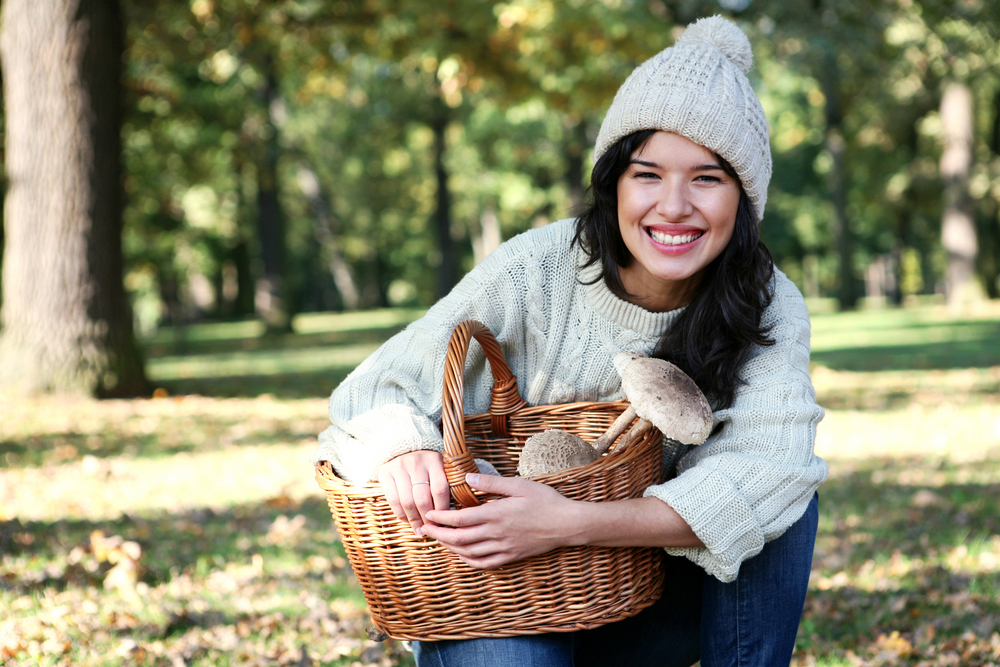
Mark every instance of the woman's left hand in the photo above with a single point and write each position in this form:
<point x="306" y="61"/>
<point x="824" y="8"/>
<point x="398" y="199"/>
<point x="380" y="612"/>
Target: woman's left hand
<point x="533" y="518"/>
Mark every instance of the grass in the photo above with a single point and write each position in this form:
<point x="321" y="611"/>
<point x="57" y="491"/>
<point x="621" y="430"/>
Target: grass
<point x="187" y="529"/>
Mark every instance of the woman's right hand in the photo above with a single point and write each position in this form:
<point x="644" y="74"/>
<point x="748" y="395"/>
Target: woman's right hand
<point x="414" y="484"/>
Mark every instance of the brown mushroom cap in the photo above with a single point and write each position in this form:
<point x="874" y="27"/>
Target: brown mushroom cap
<point x="553" y="450"/>
<point x="666" y="396"/>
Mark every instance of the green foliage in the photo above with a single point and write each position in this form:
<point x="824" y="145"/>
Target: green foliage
<point x="522" y="86"/>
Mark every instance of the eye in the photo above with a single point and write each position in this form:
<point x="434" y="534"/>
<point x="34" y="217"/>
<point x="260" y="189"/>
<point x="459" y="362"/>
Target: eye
<point x="707" y="178"/>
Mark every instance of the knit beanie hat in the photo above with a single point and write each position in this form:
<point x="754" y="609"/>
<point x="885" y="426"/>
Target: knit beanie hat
<point x="698" y="89"/>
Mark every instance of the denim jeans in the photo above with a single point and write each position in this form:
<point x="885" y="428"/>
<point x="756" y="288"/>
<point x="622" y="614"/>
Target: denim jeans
<point x="751" y="621"/>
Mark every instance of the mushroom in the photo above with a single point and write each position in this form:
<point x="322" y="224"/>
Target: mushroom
<point x="554" y="450"/>
<point x="662" y="395"/>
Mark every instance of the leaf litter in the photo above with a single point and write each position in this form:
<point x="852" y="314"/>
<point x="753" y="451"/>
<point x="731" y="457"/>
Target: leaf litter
<point x="190" y="532"/>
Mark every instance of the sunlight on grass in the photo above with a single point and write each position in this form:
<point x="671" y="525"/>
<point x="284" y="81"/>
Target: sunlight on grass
<point x="307" y="323"/>
<point x="946" y="431"/>
<point x="209" y="331"/>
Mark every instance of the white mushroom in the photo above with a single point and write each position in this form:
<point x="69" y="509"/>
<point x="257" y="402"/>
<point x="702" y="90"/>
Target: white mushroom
<point x="662" y="394"/>
<point x="554" y="450"/>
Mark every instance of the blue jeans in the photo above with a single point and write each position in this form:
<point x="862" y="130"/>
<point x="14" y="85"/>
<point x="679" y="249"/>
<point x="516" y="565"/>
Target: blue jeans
<point x="751" y="621"/>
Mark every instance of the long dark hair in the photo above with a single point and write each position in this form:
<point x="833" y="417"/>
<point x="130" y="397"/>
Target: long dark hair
<point x="712" y="338"/>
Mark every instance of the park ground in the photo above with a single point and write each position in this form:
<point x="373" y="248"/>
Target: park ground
<point x="187" y="529"/>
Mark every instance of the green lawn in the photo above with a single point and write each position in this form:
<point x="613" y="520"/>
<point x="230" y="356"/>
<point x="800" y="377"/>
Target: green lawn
<point x="187" y="529"/>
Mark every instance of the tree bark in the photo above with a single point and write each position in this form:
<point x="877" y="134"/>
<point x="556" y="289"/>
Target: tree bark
<point x="325" y="234"/>
<point x="847" y="292"/>
<point x="67" y="324"/>
<point x="989" y="230"/>
<point x="575" y="147"/>
<point x="958" y="228"/>
<point x="270" y="298"/>
<point x="448" y="270"/>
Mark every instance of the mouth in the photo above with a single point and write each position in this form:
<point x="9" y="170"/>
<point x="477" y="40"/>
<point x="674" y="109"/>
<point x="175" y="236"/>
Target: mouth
<point x="673" y="239"/>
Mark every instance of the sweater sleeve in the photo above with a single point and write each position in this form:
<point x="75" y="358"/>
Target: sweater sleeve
<point x="754" y="477"/>
<point x="391" y="403"/>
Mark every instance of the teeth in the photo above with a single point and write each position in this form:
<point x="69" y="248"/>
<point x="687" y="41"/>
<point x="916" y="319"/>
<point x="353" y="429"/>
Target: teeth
<point x="668" y="239"/>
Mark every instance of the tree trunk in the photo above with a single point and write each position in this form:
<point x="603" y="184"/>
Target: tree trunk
<point x="488" y="237"/>
<point x="270" y="298"/>
<point x="67" y="325"/>
<point x="242" y="304"/>
<point x="847" y="293"/>
<point x="958" y="229"/>
<point x="448" y="270"/>
<point x="575" y="148"/>
<point x="989" y="231"/>
<point x="243" y="265"/>
<point x="325" y="234"/>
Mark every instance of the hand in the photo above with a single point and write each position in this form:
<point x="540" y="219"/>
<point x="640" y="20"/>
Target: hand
<point x="414" y="484"/>
<point x="533" y="518"/>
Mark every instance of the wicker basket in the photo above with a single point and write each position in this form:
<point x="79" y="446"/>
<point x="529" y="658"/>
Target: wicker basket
<point x="417" y="589"/>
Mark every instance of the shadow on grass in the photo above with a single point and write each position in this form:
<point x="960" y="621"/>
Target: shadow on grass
<point x="976" y="353"/>
<point x="180" y="346"/>
<point x="64" y="447"/>
<point x="298" y="385"/>
<point x="874" y="507"/>
<point x="902" y="550"/>
<point x="930" y="614"/>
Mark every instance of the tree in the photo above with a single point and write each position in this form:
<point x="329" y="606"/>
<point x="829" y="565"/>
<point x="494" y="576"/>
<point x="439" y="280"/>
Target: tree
<point x="66" y="321"/>
<point x="958" y="230"/>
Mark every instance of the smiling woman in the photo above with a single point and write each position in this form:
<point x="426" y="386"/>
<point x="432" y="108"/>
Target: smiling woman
<point x="676" y="213"/>
<point x="664" y="261"/>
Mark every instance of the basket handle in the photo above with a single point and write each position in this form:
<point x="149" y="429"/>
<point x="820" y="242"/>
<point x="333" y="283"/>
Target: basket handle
<point x="506" y="399"/>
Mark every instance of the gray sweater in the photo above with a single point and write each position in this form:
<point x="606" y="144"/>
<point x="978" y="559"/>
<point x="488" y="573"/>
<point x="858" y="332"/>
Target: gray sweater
<point x="749" y="482"/>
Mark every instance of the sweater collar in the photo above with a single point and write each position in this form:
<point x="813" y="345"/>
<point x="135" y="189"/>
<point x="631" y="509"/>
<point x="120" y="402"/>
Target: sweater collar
<point x="628" y="315"/>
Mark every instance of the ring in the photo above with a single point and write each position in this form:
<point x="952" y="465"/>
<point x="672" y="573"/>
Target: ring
<point x="415" y="483"/>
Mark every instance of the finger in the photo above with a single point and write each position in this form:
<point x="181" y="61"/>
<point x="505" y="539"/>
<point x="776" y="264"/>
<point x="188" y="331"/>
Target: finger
<point x="488" y="562"/>
<point x="409" y="504"/>
<point x="392" y="496"/>
<point x="456" y="538"/>
<point x="440" y="490"/>
<point x="502" y="486"/>
<point x="463" y="518"/>
<point x="423" y="501"/>
<point x="482" y="553"/>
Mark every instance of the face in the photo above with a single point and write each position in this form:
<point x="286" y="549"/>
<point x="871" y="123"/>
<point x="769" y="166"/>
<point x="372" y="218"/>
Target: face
<point x="676" y="212"/>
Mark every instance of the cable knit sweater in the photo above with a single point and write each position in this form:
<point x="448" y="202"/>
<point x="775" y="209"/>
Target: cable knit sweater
<point x="749" y="482"/>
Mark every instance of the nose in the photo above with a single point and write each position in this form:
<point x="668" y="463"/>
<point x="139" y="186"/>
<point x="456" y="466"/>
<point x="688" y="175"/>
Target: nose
<point x="674" y="203"/>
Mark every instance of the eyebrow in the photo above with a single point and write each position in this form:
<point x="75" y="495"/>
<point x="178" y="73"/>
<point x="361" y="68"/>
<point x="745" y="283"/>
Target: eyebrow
<point x="701" y="167"/>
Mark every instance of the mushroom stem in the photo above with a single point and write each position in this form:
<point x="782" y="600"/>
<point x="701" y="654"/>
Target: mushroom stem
<point x="615" y="430"/>
<point x="634" y="434"/>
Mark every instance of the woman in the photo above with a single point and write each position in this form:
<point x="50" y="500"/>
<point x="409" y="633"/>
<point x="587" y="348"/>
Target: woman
<point x="666" y="261"/>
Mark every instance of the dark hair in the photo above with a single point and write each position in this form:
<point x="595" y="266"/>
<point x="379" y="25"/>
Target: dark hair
<point x="712" y="338"/>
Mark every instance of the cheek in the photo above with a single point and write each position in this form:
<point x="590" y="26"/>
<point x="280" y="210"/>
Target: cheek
<point x="724" y="215"/>
<point x="631" y="206"/>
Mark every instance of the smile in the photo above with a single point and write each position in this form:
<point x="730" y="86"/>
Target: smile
<point x="670" y="239"/>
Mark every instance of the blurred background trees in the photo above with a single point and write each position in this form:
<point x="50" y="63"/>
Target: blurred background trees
<point x="298" y="155"/>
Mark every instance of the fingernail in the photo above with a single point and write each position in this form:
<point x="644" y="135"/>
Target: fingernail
<point x="472" y="478"/>
<point x="418" y="531"/>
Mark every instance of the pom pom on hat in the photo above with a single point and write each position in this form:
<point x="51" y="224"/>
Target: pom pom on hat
<point x="723" y="35"/>
<point x="698" y="89"/>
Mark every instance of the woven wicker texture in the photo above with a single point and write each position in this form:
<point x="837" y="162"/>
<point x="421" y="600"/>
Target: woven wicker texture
<point x="417" y="589"/>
